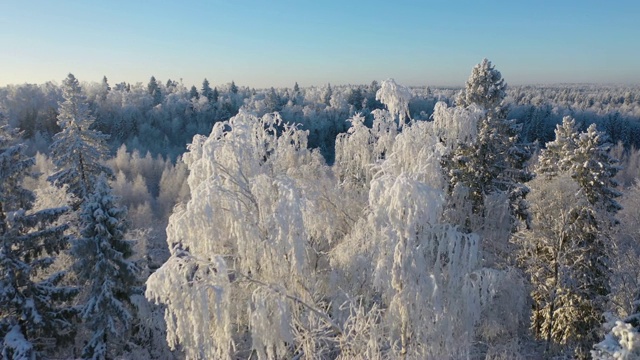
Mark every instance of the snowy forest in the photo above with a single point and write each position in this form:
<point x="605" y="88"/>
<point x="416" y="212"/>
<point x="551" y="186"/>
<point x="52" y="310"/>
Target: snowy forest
<point x="378" y="221"/>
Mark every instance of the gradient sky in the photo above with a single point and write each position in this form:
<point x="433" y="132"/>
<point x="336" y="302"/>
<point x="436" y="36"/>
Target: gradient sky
<point x="262" y="43"/>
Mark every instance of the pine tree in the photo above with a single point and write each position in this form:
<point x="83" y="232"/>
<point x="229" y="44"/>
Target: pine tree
<point x="494" y="161"/>
<point x="566" y="252"/>
<point x="77" y="150"/>
<point x="111" y="279"/>
<point x="485" y="88"/>
<point x="233" y="88"/>
<point x="30" y="312"/>
<point x="594" y="170"/>
<point x="564" y="255"/>
<point x="586" y="157"/>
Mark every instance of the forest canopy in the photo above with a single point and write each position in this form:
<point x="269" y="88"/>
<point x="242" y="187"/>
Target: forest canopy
<point x="373" y="221"/>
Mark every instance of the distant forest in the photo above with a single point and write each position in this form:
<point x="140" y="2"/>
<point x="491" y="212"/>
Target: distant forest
<point x="377" y="221"/>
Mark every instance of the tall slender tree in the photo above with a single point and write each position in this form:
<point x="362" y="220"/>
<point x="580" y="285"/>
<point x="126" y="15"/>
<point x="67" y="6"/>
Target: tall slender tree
<point x="566" y="252"/>
<point x="31" y="314"/>
<point x="77" y="150"/>
<point x="494" y="161"/>
<point x="111" y="279"/>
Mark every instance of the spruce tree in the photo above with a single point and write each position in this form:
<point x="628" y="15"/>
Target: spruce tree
<point x="326" y="95"/>
<point x="215" y="95"/>
<point x="154" y="90"/>
<point x="31" y="315"/>
<point x="193" y="93"/>
<point x="206" y="90"/>
<point x="557" y="155"/>
<point x="233" y="88"/>
<point x="102" y="252"/>
<point x="77" y="150"/>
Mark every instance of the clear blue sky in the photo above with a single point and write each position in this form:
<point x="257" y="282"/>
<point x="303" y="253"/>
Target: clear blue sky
<point x="262" y="43"/>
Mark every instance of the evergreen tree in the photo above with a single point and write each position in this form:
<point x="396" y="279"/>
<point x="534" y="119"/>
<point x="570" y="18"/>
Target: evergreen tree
<point x="586" y="157"/>
<point x="215" y="95"/>
<point x="565" y="257"/>
<point x="77" y="150"/>
<point x="154" y="90"/>
<point x="296" y="97"/>
<point x="111" y="279"/>
<point x="193" y="93"/>
<point x="566" y="252"/>
<point x="594" y="170"/>
<point x="206" y="90"/>
<point x="557" y="155"/>
<point x="494" y="161"/>
<point x="104" y="89"/>
<point x="355" y="98"/>
<point x="485" y="88"/>
<point x="233" y="88"/>
<point x="326" y="95"/>
<point x="272" y="101"/>
<point x="31" y="315"/>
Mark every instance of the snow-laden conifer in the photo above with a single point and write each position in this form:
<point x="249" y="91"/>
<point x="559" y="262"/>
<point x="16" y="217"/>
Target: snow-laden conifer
<point x="78" y="149"/>
<point x="485" y="88"/>
<point x="32" y="319"/>
<point x="102" y="264"/>
<point x="557" y="155"/>
<point x="565" y="257"/>
<point x="566" y="252"/>
<point x="494" y="160"/>
<point x="594" y="169"/>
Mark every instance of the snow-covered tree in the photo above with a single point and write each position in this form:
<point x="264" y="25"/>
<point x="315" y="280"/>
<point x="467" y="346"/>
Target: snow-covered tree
<point x="493" y="161"/>
<point x="77" y="150"/>
<point x="414" y="280"/>
<point x="567" y="251"/>
<point x="102" y="254"/>
<point x="154" y="90"/>
<point x="271" y="257"/>
<point x="272" y="101"/>
<point x="233" y="88"/>
<point x="240" y="265"/>
<point x="594" y="169"/>
<point x="565" y="257"/>
<point x="193" y="93"/>
<point x="557" y="155"/>
<point x="396" y="98"/>
<point x="206" y="91"/>
<point x="622" y="342"/>
<point x="586" y="157"/>
<point x="485" y="88"/>
<point x="327" y="94"/>
<point x="32" y="318"/>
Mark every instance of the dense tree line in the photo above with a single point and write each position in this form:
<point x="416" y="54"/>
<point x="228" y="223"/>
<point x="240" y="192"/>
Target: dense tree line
<point x="337" y="222"/>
